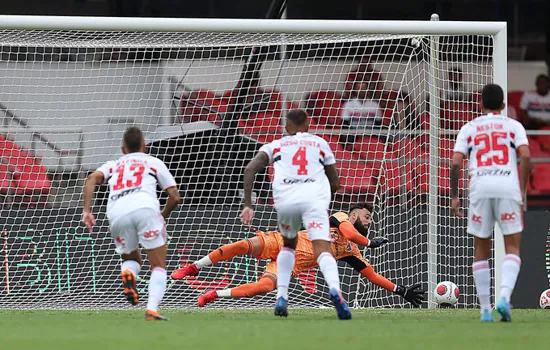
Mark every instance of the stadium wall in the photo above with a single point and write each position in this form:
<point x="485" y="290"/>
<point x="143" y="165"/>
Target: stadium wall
<point x="51" y="256"/>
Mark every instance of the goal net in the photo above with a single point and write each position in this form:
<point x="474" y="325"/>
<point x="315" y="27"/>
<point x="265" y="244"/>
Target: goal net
<point x="388" y="104"/>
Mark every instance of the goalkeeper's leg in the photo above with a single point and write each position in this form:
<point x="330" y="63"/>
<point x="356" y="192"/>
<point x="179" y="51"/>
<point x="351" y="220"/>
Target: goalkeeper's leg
<point x="252" y="246"/>
<point x="264" y="285"/>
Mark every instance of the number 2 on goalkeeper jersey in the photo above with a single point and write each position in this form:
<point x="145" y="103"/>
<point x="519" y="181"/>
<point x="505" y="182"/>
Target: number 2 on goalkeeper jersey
<point x="299" y="166"/>
<point x="490" y="142"/>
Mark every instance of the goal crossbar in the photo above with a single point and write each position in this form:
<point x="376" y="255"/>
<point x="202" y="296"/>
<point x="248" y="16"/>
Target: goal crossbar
<point x="222" y="25"/>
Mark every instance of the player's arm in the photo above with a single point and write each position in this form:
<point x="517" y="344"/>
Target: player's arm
<point x="329" y="162"/>
<point x="168" y="184"/>
<point x="413" y="294"/>
<point x="173" y="201"/>
<point x="524" y="168"/>
<point x="94" y="179"/>
<point x="252" y="168"/>
<point x="351" y="234"/>
<point x="456" y="164"/>
<point x="524" y="153"/>
<point x="333" y="178"/>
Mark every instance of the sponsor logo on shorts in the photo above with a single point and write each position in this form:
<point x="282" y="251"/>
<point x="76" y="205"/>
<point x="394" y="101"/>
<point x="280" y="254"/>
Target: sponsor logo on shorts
<point x="151" y="234"/>
<point x="285" y="227"/>
<point x="314" y="225"/>
<point x="121" y="241"/>
<point x="296" y="181"/>
<point x="476" y="219"/>
<point x="496" y="172"/>
<point x="508" y="217"/>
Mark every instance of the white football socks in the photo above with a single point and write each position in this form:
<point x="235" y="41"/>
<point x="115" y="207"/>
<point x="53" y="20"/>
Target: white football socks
<point x="224" y="293"/>
<point x="131" y="265"/>
<point x="482" y="278"/>
<point x="510" y="271"/>
<point x="157" y="287"/>
<point x="285" y="265"/>
<point x="329" y="268"/>
<point x="203" y="262"/>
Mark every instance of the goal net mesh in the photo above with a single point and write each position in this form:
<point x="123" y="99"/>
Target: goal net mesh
<point x="206" y="103"/>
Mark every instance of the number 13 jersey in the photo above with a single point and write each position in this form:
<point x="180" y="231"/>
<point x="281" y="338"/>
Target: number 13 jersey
<point x="299" y="167"/>
<point x="490" y="141"/>
<point x="133" y="182"/>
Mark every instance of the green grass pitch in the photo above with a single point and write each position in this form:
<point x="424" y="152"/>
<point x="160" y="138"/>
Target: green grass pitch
<point x="259" y="329"/>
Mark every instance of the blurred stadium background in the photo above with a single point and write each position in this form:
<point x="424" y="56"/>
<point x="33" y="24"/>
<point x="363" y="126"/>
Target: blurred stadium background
<point x="53" y="99"/>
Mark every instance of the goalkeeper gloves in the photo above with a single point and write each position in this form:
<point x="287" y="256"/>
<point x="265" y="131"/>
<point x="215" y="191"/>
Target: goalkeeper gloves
<point x="413" y="294"/>
<point x="377" y="242"/>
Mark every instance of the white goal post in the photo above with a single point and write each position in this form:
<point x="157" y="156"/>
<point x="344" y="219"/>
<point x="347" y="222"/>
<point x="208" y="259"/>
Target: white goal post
<point x="132" y="69"/>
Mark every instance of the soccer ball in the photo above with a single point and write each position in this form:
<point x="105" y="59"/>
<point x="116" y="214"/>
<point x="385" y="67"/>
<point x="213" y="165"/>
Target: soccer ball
<point x="446" y="293"/>
<point x="544" y="300"/>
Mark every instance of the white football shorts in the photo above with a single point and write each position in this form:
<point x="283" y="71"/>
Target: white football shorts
<point x="484" y="212"/>
<point x="144" y="226"/>
<point x="314" y="216"/>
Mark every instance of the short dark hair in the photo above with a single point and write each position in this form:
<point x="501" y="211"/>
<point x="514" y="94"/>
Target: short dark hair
<point x="360" y="206"/>
<point x="492" y="97"/>
<point x="133" y="139"/>
<point x="297" y="116"/>
<point x="541" y="76"/>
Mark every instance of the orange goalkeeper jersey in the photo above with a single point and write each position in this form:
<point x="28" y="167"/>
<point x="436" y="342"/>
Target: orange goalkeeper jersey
<point x="342" y="249"/>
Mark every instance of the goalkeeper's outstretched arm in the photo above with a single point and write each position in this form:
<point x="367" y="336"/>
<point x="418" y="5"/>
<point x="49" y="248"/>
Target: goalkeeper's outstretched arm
<point x="413" y="294"/>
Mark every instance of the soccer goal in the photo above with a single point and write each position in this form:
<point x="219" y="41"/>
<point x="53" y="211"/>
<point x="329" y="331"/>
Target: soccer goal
<point x="388" y="96"/>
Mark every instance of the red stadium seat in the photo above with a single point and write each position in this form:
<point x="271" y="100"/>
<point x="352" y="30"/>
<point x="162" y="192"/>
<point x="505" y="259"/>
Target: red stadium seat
<point x="446" y="147"/>
<point x="540" y="179"/>
<point x="357" y="177"/>
<point x="325" y="108"/>
<point x="410" y="148"/>
<point x="5" y="179"/>
<point x="29" y="176"/>
<point x="197" y="105"/>
<point x="370" y="148"/>
<point x="455" y="114"/>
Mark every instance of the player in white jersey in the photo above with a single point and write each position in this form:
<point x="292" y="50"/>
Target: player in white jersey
<point x="496" y="195"/>
<point x="304" y="178"/>
<point x="134" y="214"/>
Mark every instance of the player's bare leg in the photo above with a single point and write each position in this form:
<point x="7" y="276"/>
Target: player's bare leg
<point x="510" y="271"/>
<point x="157" y="283"/>
<point x="264" y="285"/>
<point x="131" y="265"/>
<point x="482" y="276"/>
<point x="252" y="246"/>
<point x="329" y="269"/>
<point x="285" y="265"/>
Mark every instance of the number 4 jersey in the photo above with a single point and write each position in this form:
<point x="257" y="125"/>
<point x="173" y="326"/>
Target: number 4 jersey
<point x="299" y="167"/>
<point x="490" y="142"/>
<point x="133" y="182"/>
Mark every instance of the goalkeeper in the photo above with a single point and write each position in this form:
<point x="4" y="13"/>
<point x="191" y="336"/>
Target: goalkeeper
<point x="346" y="233"/>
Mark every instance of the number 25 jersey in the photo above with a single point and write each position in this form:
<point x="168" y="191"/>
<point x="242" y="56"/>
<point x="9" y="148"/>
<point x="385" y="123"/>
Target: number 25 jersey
<point x="299" y="167"/>
<point x="133" y="182"/>
<point x="490" y="141"/>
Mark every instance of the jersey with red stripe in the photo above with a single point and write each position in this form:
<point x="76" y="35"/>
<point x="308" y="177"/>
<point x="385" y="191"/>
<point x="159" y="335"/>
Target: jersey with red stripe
<point x="299" y="166"/>
<point x="490" y="141"/>
<point x="133" y="180"/>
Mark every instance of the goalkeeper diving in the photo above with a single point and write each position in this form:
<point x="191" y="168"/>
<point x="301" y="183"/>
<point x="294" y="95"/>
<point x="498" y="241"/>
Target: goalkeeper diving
<point x="347" y="232"/>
